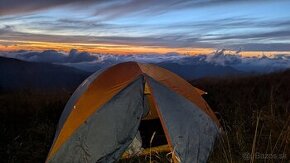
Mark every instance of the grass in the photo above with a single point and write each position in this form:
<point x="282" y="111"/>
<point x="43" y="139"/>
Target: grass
<point x="254" y="112"/>
<point x="28" y="121"/>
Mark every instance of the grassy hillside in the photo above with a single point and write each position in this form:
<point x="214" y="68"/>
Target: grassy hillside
<point x="27" y="121"/>
<point x="254" y="112"/>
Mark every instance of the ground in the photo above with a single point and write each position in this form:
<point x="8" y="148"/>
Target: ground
<point x="254" y="112"/>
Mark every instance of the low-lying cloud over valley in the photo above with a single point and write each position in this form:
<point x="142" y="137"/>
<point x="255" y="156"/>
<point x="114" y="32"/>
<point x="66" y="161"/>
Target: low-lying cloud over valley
<point x="220" y="58"/>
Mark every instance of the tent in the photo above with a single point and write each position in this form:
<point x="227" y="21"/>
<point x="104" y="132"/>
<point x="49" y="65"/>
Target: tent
<point x="102" y="118"/>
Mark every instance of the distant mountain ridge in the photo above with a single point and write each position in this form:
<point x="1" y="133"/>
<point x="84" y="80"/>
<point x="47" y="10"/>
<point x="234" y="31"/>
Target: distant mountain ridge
<point x="16" y="74"/>
<point x="196" y="71"/>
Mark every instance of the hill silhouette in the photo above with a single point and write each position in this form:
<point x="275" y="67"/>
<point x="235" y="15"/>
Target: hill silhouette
<point x="200" y="70"/>
<point x="21" y="75"/>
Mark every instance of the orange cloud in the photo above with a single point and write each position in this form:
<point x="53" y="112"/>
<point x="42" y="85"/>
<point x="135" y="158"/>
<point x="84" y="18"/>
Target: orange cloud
<point x="113" y="48"/>
<point x="98" y="48"/>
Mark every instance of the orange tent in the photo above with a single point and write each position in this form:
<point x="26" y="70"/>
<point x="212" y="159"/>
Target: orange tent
<point x="102" y="117"/>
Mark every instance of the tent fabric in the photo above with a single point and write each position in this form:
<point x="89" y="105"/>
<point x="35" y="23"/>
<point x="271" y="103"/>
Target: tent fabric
<point x="179" y="85"/>
<point x="115" y="126"/>
<point x="100" y="91"/>
<point x="73" y="99"/>
<point x="150" y="110"/>
<point x="194" y="128"/>
<point x="102" y="117"/>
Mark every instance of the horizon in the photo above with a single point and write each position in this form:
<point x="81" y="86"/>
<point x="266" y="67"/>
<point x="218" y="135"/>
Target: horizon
<point x="251" y="28"/>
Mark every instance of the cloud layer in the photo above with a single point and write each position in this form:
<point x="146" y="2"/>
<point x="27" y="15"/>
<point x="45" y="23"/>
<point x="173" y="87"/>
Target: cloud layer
<point x="9" y="7"/>
<point x="106" y="8"/>
<point x="51" y="56"/>
<point x="93" y="62"/>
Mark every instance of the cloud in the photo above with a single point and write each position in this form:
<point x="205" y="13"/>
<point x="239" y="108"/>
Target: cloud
<point x="6" y="29"/>
<point x="198" y="34"/>
<point x="11" y="7"/>
<point x="87" y="61"/>
<point x="172" y="40"/>
<point x="107" y="9"/>
<point x="259" y="35"/>
<point x="75" y="56"/>
<point x="224" y="57"/>
<point x="51" y="56"/>
<point x="262" y="46"/>
<point x="260" y="64"/>
<point x="93" y="62"/>
<point x="154" y="7"/>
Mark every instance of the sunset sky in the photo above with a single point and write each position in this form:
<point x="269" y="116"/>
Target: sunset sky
<point x="146" y="26"/>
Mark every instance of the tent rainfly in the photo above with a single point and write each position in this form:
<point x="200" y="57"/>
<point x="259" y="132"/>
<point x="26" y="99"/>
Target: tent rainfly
<point x="102" y="118"/>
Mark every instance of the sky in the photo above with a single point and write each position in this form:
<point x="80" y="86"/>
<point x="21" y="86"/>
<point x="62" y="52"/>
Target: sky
<point x="251" y="27"/>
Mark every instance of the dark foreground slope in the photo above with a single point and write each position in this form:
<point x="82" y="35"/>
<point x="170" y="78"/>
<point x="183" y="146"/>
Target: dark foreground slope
<point x="255" y="114"/>
<point x="16" y="74"/>
<point x="28" y="119"/>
